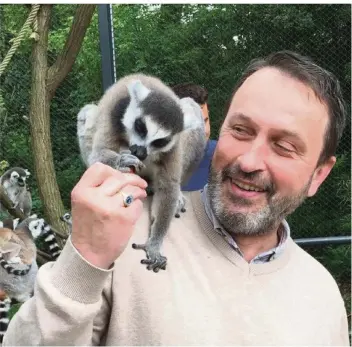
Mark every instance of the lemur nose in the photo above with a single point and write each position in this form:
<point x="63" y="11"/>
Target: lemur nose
<point x="139" y="151"/>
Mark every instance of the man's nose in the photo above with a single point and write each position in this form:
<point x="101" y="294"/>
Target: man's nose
<point x="139" y="151"/>
<point x="254" y="158"/>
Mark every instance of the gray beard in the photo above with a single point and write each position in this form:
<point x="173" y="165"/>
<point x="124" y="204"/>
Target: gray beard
<point x="260" y="222"/>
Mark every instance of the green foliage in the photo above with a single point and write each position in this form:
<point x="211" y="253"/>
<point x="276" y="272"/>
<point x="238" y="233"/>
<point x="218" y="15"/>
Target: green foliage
<point x="3" y="166"/>
<point x="14" y="308"/>
<point x="337" y="259"/>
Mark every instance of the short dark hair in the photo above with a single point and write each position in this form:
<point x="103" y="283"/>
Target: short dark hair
<point x="198" y="93"/>
<point x="324" y="84"/>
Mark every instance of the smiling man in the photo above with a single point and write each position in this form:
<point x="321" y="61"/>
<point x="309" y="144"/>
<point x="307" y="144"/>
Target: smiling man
<point x="234" y="275"/>
<point x="275" y="148"/>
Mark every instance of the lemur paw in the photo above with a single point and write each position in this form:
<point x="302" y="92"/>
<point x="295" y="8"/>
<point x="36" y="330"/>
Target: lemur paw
<point x="155" y="261"/>
<point x="180" y="207"/>
<point x="128" y="161"/>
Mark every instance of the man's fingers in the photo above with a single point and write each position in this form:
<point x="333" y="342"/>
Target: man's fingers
<point x="114" y="184"/>
<point x="133" y="211"/>
<point x="134" y="191"/>
<point x="95" y="175"/>
<point x="98" y="173"/>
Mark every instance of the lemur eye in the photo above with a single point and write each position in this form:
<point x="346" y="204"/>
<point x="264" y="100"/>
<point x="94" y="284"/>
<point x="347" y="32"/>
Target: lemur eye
<point x="140" y="128"/>
<point x="160" y="143"/>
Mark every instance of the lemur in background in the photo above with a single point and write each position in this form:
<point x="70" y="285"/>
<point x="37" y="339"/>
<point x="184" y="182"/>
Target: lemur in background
<point x="18" y="254"/>
<point x="140" y="123"/>
<point x="14" y="184"/>
<point x="67" y="218"/>
<point x="20" y="287"/>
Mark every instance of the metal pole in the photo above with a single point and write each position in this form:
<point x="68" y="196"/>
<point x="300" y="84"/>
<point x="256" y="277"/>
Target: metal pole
<point x="107" y="48"/>
<point x="324" y="241"/>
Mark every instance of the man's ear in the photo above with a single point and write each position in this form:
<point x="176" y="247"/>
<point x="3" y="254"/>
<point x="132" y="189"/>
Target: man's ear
<point x="138" y="92"/>
<point x="320" y="174"/>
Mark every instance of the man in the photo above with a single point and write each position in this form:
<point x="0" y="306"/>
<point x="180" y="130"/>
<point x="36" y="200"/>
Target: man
<point x="234" y="275"/>
<point x="200" y="96"/>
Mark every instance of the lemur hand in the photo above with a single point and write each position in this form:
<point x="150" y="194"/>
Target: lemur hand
<point x="101" y="225"/>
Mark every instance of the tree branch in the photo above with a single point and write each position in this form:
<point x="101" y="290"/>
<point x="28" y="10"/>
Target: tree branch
<point x="65" y="60"/>
<point x="44" y="255"/>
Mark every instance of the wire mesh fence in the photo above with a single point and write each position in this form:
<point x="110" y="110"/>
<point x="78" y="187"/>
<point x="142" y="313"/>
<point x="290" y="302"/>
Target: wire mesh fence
<point x="206" y="44"/>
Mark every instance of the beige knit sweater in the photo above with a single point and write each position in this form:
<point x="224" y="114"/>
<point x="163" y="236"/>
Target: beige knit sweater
<point x="208" y="295"/>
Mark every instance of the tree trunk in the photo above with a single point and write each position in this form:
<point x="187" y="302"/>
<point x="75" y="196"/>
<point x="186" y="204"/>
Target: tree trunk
<point x="45" y="81"/>
<point x="40" y="126"/>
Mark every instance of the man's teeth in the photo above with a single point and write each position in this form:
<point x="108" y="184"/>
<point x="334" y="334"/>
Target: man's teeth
<point x="247" y="187"/>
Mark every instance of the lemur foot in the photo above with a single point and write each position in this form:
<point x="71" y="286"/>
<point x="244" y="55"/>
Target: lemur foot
<point x="155" y="261"/>
<point x="128" y="161"/>
<point x="180" y="207"/>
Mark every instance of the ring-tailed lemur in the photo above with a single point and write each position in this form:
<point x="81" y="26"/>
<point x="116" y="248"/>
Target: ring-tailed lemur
<point x="5" y="305"/>
<point x="9" y="223"/>
<point x="67" y="218"/>
<point x="20" y="287"/>
<point x="141" y="123"/>
<point x="18" y="248"/>
<point x="14" y="183"/>
<point x="51" y="241"/>
<point x="19" y="244"/>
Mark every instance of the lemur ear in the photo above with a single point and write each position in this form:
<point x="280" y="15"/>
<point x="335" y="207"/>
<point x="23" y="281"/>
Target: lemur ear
<point x="192" y="114"/>
<point x="27" y="172"/>
<point x="138" y="92"/>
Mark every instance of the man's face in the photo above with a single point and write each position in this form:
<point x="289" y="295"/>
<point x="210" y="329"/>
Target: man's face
<point x="205" y="112"/>
<point x="265" y="162"/>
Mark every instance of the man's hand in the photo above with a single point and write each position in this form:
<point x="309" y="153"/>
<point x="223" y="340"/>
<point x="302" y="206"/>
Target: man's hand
<point x="101" y="225"/>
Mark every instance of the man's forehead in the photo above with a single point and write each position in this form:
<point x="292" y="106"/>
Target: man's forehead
<point x="269" y="91"/>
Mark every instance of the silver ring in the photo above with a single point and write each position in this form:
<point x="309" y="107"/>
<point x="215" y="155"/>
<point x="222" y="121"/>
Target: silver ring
<point x="127" y="199"/>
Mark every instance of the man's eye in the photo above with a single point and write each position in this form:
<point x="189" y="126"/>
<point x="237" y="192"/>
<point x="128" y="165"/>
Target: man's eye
<point x="241" y="130"/>
<point x="285" y="148"/>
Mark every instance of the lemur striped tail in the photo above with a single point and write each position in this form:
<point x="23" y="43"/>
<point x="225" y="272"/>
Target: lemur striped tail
<point x="50" y="240"/>
<point x="5" y="305"/>
<point x="11" y="270"/>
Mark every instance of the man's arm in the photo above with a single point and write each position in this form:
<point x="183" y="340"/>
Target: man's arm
<point x="70" y="306"/>
<point x="71" y="296"/>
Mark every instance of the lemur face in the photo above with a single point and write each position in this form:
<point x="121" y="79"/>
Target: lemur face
<point x="17" y="179"/>
<point x="152" y="121"/>
<point x="36" y="227"/>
